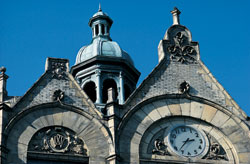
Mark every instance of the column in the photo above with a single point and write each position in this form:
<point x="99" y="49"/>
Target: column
<point x="121" y="101"/>
<point x="106" y="30"/>
<point x="100" y="28"/>
<point x="98" y="87"/>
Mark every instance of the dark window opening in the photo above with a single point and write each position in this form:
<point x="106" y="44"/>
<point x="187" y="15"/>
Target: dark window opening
<point x="102" y="29"/>
<point x="127" y="91"/>
<point x="90" y="90"/>
<point x="109" y="83"/>
<point x="96" y="30"/>
<point x="107" y="29"/>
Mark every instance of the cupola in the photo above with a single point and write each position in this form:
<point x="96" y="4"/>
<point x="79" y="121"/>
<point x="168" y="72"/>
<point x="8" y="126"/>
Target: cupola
<point x="103" y="64"/>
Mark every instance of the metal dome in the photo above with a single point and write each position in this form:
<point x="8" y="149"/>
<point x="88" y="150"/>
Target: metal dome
<point x="102" y="47"/>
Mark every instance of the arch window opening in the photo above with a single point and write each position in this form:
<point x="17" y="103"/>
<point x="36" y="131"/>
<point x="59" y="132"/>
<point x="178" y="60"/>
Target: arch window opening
<point x="90" y="90"/>
<point x="96" y="30"/>
<point x="102" y="29"/>
<point x="109" y="83"/>
<point x="127" y="91"/>
<point x="107" y="29"/>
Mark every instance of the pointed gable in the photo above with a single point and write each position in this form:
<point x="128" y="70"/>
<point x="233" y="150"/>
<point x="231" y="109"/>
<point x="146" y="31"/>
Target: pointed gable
<point x="56" y="85"/>
<point x="179" y="63"/>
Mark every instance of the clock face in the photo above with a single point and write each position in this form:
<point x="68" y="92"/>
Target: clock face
<point x="186" y="141"/>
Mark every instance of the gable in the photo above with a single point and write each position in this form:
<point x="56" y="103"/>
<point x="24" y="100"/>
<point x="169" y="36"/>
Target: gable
<point x="56" y="85"/>
<point x="180" y="62"/>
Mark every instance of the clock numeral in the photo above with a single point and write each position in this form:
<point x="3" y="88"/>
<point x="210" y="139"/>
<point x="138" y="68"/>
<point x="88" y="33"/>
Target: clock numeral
<point x="200" y="147"/>
<point x="182" y="151"/>
<point x="200" y="141"/>
<point x="173" y="135"/>
<point x="183" y="129"/>
<point x="189" y="153"/>
<point x="197" y="135"/>
<point x="176" y="148"/>
<point x="190" y="130"/>
<point x="195" y="151"/>
<point x="177" y="131"/>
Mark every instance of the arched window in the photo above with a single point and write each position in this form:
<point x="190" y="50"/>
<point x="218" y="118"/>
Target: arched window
<point x="96" y="30"/>
<point x="108" y="83"/>
<point x="102" y="29"/>
<point x="127" y="91"/>
<point x="90" y="90"/>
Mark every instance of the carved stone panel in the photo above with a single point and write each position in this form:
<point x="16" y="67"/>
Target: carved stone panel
<point x="181" y="51"/>
<point x="57" y="140"/>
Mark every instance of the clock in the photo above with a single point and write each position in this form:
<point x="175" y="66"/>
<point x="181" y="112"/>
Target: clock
<point x="187" y="141"/>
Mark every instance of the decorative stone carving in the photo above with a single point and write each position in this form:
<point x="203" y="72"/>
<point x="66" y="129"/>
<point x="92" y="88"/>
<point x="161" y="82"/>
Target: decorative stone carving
<point x="58" y="70"/>
<point x="216" y="151"/>
<point x="57" y="140"/>
<point x="58" y="95"/>
<point x="184" y="87"/>
<point x="160" y="147"/>
<point x="181" y="51"/>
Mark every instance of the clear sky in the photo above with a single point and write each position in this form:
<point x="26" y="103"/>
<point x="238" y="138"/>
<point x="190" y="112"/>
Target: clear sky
<point x="32" y="30"/>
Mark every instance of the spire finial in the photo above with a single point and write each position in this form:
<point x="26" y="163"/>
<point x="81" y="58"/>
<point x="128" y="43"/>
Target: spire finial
<point x="176" y="16"/>
<point x="100" y="8"/>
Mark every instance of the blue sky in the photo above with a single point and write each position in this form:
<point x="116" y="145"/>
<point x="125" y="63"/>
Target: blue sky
<point x="32" y="30"/>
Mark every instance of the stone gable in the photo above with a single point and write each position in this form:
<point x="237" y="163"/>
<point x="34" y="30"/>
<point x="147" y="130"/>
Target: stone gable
<point x="179" y="59"/>
<point x="48" y="89"/>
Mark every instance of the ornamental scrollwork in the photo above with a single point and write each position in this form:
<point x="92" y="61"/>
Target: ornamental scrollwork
<point x="58" y="70"/>
<point x="216" y="151"/>
<point x="180" y="51"/>
<point x="57" y="140"/>
<point x="160" y="147"/>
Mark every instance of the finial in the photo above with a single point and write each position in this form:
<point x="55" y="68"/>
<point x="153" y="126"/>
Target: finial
<point x="100" y="8"/>
<point x="3" y="69"/>
<point x="176" y="16"/>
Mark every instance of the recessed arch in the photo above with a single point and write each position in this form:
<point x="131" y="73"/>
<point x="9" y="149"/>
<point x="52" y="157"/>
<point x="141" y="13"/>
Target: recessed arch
<point x="108" y="83"/>
<point x="142" y="116"/>
<point x="90" y="90"/>
<point x="29" y="122"/>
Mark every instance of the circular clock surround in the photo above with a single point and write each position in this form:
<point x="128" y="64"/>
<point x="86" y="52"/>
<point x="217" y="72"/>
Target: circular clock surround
<point x="187" y="141"/>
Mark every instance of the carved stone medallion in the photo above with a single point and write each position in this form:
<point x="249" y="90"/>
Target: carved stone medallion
<point x="58" y="95"/>
<point x="57" y="140"/>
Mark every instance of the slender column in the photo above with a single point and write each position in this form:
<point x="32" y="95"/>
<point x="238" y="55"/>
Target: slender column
<point x="121" y="101"/>
<point x="98" y="87"/>
<point x="93" y="31"/>
<point x="100" y="28"/>
<point x="106" y="30"/>
<point x="3" y="81"/>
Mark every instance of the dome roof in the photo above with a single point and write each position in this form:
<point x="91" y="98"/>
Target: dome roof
<point x="102" y="47"/>
<point x="101" y="44"/>
<point x="100" y="13"/>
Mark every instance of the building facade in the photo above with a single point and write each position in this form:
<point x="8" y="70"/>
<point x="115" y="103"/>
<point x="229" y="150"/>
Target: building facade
<point x="92" y="113"/>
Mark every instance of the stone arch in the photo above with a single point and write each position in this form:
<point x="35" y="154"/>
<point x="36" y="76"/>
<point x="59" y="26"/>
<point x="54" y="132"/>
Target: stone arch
<point x="26" y="124"/>
<point x="140" y="118"/>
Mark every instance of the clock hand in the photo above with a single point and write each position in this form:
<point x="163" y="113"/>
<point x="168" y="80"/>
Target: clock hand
<point x="184" y="143"/>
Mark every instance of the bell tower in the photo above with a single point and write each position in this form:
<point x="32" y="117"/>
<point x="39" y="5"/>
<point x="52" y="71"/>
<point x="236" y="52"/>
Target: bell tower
<point x="103" y="64"/>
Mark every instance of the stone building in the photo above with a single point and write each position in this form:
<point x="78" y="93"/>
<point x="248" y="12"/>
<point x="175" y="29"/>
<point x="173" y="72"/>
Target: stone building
<point x="93" y="113"/>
